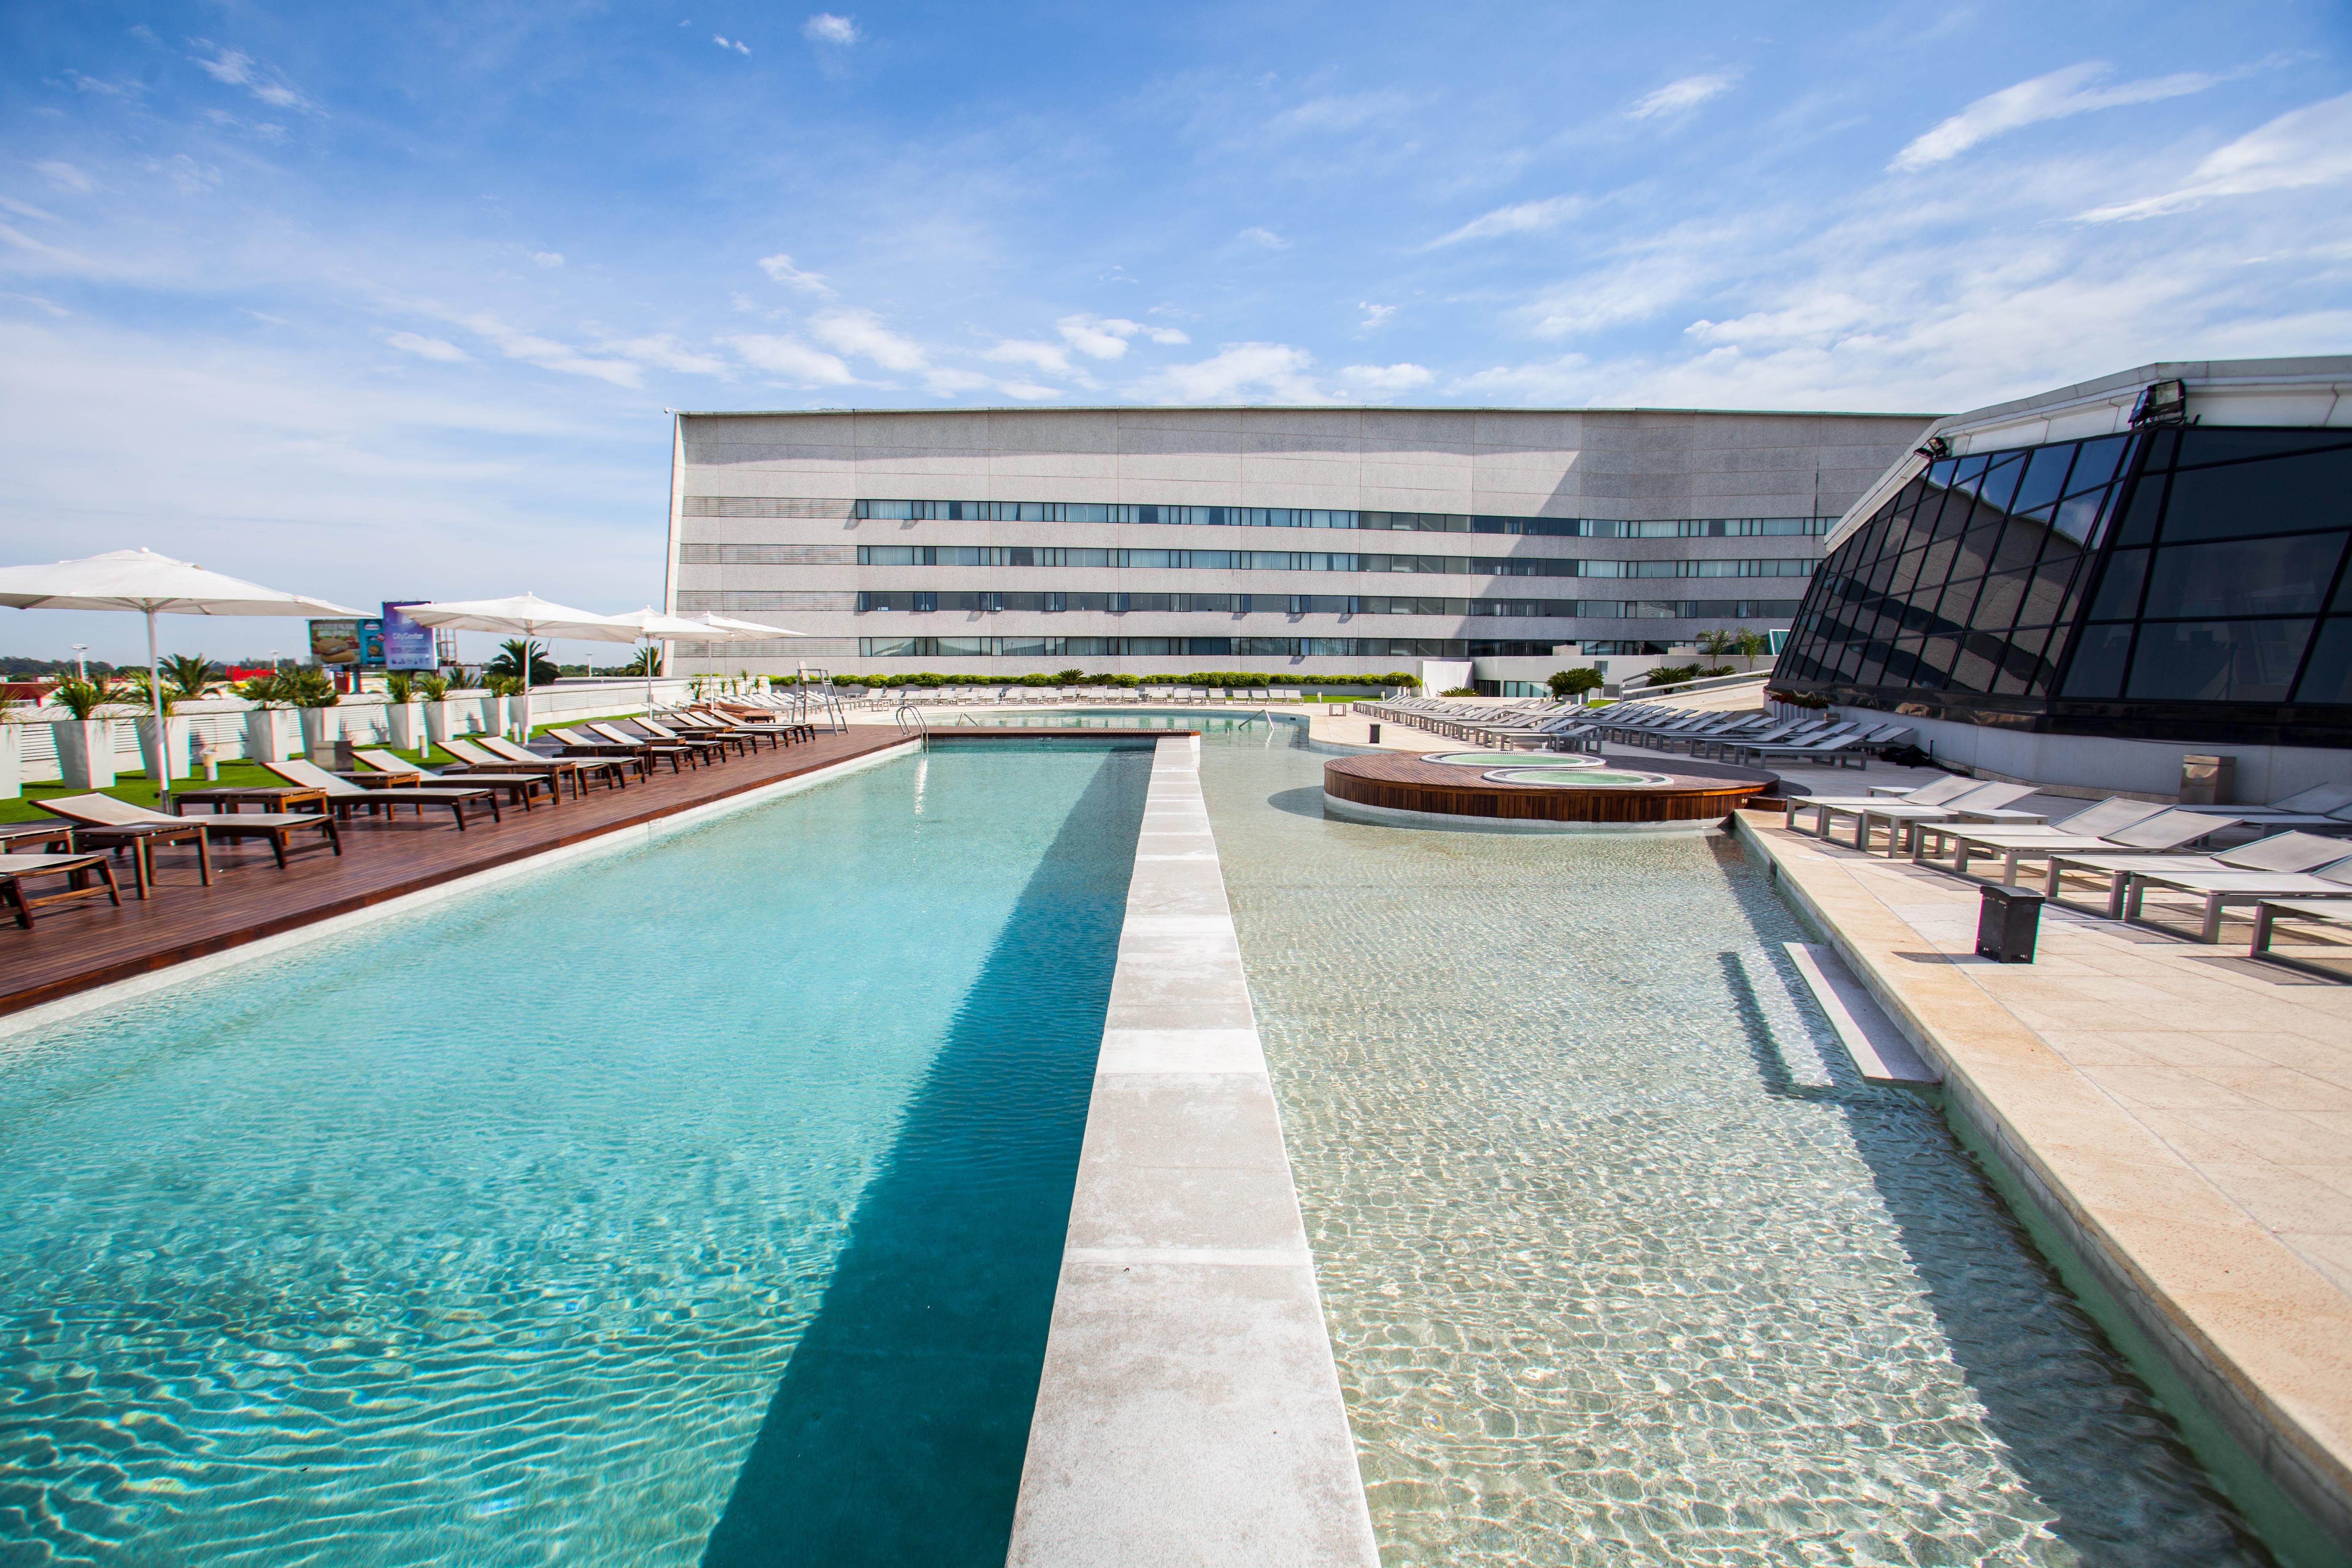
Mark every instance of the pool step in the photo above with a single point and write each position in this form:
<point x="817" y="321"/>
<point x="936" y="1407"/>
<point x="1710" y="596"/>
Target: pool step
<point x="1880" y="1052"/>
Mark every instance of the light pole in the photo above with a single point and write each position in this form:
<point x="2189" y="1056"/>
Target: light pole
<point x="81" y="665"/>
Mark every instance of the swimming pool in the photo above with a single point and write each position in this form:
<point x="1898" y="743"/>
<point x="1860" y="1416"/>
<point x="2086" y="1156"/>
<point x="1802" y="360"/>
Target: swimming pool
<point x="702" y="1203"/>
<point x="1623" y="1264"/>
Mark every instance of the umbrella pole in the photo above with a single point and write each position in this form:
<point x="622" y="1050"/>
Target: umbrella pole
<point x="155" y="685"/>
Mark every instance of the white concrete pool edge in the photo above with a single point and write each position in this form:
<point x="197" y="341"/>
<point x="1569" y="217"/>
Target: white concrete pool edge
<point x="1189" y="1411"/>
<point x="618" y="839"/>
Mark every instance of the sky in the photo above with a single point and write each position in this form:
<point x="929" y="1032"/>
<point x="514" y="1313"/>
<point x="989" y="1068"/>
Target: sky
<point x="389" y="301"/>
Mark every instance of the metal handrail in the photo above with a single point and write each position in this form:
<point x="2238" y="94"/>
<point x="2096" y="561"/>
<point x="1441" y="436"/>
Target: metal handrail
<point x="922" y="726"/>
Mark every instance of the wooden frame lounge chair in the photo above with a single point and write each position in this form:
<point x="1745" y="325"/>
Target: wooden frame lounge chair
<point x="713" y="745"/>
<point x="112" y="817"/>
<point x="717" y="728"/>
<point x="597" y="748"/>
<point x="614" y="769"/>
<point x="343" y="797"/>
<point x="13" y="868"/>
<point x="496" y="770"/>
<point x="645" y="746"/>
<point x="494" y="774"/>
<point x="766" y="721"/>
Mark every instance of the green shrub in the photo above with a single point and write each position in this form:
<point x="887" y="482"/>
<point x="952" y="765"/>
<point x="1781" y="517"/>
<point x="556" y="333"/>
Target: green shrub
<point x="1569" y="682"/>
<point x="1672" y="674"/>
<point x="1459" y="691"/>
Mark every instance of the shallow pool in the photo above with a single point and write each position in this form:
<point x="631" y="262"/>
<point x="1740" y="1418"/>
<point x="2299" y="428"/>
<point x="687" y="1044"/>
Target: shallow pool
<point x="700" y="1204"/>
<point x="1623" y="1263"/>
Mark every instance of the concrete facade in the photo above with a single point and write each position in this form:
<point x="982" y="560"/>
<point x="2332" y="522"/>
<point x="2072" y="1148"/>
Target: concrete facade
<point x="765" y="525"/>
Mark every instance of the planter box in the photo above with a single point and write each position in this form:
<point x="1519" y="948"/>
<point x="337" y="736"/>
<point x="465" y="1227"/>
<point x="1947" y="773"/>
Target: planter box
<point x="163" y="748"/>
<point x="440" y="720"/>
<point x="405" y="721"/>
<point x="493" y="710"/>
<point x="85" y="752"/>
<point x="321" y="727"/>
<point x="265" y="735"/>
<point x="12" y="760"/>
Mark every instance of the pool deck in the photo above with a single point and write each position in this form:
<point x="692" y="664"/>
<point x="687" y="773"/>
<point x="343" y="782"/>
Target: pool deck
<point x="2181" y="1114"/>
<point x="1189" y="1411"/>
<point x="78" y="946"/>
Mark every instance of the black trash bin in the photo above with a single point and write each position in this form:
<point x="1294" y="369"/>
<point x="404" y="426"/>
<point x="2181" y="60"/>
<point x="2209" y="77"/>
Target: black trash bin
<point x="2006" y="924"/>
<point x="1376" y="734"/>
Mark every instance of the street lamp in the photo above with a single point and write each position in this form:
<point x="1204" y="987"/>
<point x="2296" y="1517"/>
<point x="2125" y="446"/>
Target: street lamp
<point x="81" y="665"/>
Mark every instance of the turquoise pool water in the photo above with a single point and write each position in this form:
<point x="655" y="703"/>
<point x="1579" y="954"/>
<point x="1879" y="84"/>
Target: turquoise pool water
<point x="698" y="1204"/>
<point x="1623" y="1263"/>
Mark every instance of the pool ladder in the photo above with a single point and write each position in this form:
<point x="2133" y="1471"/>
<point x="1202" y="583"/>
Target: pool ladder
<point x="907" y="710"/>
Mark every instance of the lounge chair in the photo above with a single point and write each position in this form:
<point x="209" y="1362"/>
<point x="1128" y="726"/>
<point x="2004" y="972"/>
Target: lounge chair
<point x="345" y="796"/>
<point x="2336" y="915"/>
<point x="593" y="747"/>
<point x="2285" y="866"/>
<point x="728" y="728"/>
<point x="573" y="768"/>
<point x="702" y="745"/>
<point x="479" y="769"/>
<point x="645" y="745"/>
<point x="1936" y="794"/>
<point x="2164" y="833"/>
<point x="2107" y="816"/>
<point x="2319" y="800"/>
<point x="1987" y="802"/>
<point x="13" y="868"/>
<point x="115" y="817"/>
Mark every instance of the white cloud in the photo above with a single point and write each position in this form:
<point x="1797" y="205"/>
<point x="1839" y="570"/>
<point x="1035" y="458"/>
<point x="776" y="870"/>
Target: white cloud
<point x="65" y="175"/>
<point x="189" y="176"/>
<point x="111" y="88"/>
<point x="532" y="349"/>
<point x="792" y="359"/>
<point x="1676" y="97"/>
<point x="780" y="267"/>
<point x="662" y="349"/>
<point x="2303" y="147"/>
<point x="27" y="209"/>
<point x="1099" y="337"/>
<point x="1340" y="112"/>
<point x="1051" y="358"/>
<point x="862" y="333"/>
<point x="2057" y="96"/>
<point x="1524" y="217"/>
<point x="49" y="255"/>
<point x="547" y="258"/>
<point x="825" y="28"/>
<point x="237" y="69"/>
<point x="47" y="307"/>
<point x="1263" y="236"/>
<point x="1374" y="315"/>
<point x="737" y="45"/>
<point x="1384" y="378"/>
<point x="1238" y="372"/>
<point x="429" y="348"/>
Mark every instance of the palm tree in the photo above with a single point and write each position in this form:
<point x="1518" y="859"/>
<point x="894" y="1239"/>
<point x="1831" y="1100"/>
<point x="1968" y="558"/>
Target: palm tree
<point x="1752" y="643"/>
<point x="646" y="662"/>
<point x="510" y="662"/>
<point x="189" y="673"/>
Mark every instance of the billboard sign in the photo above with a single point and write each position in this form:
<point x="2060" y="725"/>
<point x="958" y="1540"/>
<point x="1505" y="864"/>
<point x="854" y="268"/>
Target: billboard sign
<point x="407" y="645"/>
<point x="335" y="642"/>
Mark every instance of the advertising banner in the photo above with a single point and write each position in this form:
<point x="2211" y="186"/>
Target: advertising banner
<point x="335" y="642"/>
<point x="407" y="645"/>
<point x="371" y="644"/>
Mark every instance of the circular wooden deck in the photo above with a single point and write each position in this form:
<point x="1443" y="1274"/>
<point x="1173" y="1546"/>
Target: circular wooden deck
<point x="1402" y="789"/>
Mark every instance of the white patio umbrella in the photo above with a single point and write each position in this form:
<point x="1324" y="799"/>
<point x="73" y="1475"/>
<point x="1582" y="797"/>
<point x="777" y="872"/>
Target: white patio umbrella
<point x="526" y="615"/>
<point x="153" y="584"/>
<point x="718" y="628"/>
<point x="654" y="626"/>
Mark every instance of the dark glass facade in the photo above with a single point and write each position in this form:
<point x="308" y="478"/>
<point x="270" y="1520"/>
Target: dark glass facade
<point x="2177" y="583"/>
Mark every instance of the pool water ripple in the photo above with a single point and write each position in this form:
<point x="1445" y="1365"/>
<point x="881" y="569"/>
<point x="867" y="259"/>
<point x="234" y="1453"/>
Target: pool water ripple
<point x="1623" y="1263"/>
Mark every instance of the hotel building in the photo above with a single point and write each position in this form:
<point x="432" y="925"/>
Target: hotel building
<point x="1295" y="542"/>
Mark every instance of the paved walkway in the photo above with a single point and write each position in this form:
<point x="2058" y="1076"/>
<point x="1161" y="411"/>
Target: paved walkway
<point x="2188" y="1108"/>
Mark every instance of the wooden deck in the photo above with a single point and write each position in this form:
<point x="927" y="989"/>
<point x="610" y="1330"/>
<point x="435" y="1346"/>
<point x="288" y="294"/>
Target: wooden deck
<point x="1400" y="782"/>
<point x="74" y="947"/>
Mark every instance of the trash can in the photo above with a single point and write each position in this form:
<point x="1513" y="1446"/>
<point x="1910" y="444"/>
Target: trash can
<point x="2006" y="924"/>
<point x="1376" y="734"/>
<point x="2209" y="781"/>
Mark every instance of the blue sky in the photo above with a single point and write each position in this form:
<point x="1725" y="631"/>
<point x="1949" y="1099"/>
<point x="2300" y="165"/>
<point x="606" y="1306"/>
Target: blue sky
<point x="388" y="301"/>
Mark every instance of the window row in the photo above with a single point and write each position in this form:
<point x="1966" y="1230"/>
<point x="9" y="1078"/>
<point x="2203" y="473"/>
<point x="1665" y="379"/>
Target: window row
<point x="1322" y="517"/>
<point x="1314" y="561"/>
<point x="764" y="555"/>
<point x="1218" y="647"/>
<point x="923" y="601"/>
<point x="693" y="601"/>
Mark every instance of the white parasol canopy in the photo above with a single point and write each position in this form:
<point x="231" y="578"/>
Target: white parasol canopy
<point x="140" y="580"/>
<point x="654" y="626"/>
<point x="740" y="631"/>
<point x="525" y="615"/>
